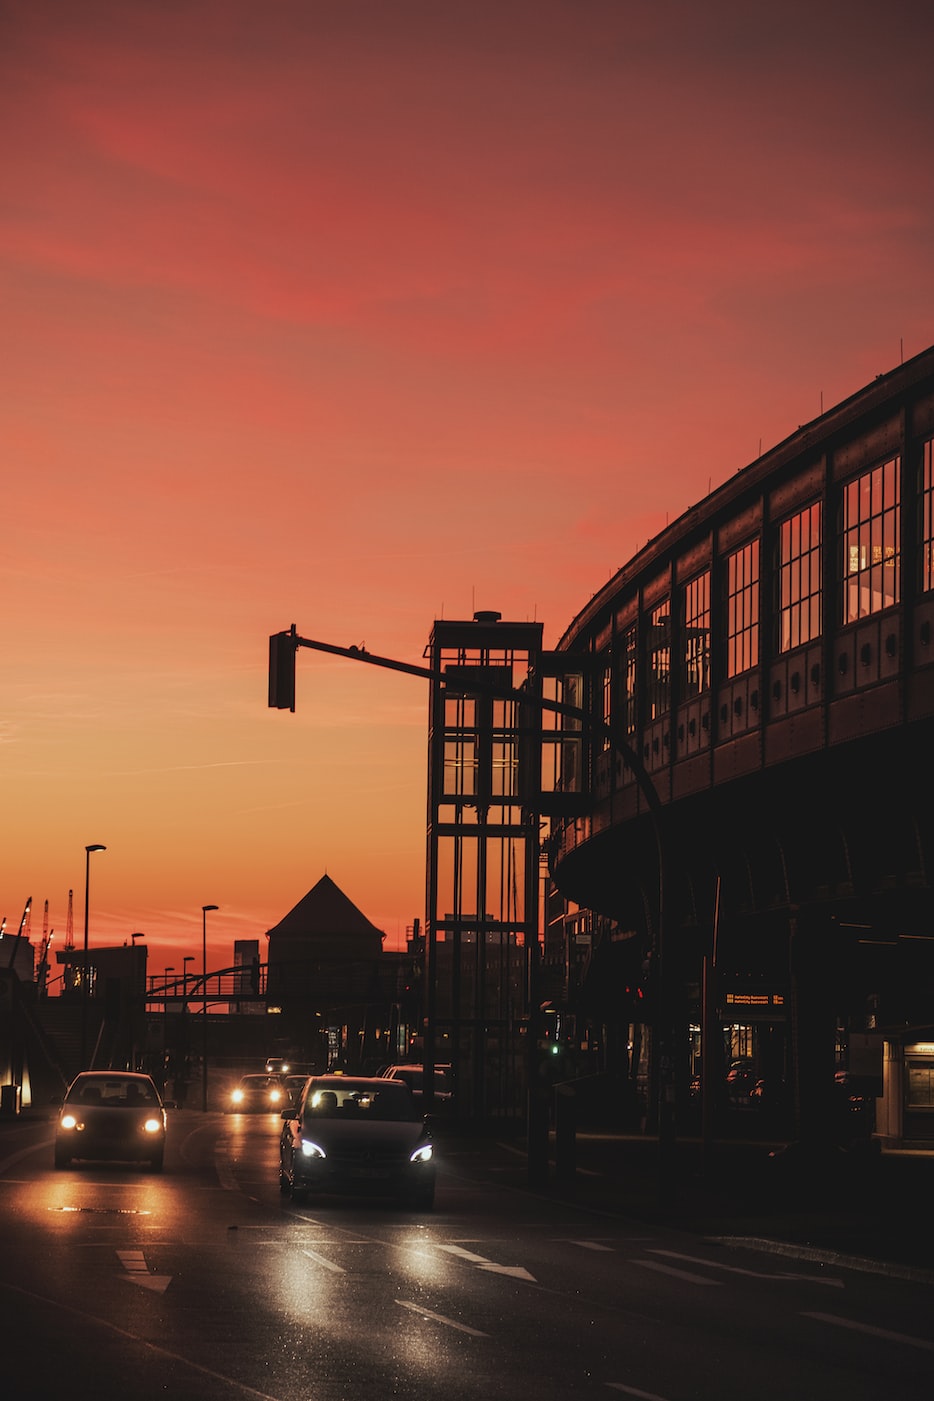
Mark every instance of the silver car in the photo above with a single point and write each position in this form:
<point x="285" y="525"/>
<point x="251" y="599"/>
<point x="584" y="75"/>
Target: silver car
<point x="114" y="1115"/>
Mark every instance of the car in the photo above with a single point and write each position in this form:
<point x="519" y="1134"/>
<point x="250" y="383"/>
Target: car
<point x="357" y="1135"/>
<point x="293" y="1086"/>
<point x="277" y="1065"/>
<point x="111" y="1115"/>
<point x="257" y="1094"/>
<point x="414" y="1077"/>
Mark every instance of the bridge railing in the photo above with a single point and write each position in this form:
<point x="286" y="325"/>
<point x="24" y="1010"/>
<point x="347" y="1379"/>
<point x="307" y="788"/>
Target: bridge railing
<point x="221" y="985"/>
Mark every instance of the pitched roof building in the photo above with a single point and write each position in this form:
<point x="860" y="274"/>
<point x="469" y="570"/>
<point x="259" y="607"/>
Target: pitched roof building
<point x="325" y="924"/>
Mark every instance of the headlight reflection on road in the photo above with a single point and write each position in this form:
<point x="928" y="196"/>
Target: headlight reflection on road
<point x="418" y="1257"/>
<point x="304" y="1287"/>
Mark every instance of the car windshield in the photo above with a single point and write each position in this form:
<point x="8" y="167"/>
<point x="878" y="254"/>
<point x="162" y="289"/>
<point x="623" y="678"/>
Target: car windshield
<point x="113" y="1092"/>
<point x="347" y="1099"/>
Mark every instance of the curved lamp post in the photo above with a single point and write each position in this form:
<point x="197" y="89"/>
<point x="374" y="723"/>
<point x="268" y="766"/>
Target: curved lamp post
<point x="204" y="1005"/>
<point x="95" y="846"/>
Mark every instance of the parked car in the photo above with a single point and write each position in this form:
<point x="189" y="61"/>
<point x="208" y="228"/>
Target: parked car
<point x="258" y="1094"/>
<point x="357" y="1135"/>
<point x="414" y="1077"/>
<point x="111" y="1115"/>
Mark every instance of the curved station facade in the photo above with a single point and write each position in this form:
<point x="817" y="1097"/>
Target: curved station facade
<point x="749" y="863"/>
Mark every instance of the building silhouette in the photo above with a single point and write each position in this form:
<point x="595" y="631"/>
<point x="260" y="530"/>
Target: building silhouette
<point x="750" y="877"/>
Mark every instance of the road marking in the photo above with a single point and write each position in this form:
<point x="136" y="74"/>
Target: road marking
<point x="784" y="1275"/>
<point x="92" y="1321"/>
<point x="873" y="1332"/>
<point x="464" y="1254"/>
<point x="24" y="1153"/>
<point x="322" y="1260"/>
<point x="440" y="1318"/>
<point x="634" y="1391"/>
<point x="677" y="1274"/>
<point x="591" y="1245"/>
<point x="515" y="1271"/>
<point x="137" y="1271"/>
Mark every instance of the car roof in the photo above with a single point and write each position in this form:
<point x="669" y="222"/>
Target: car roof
<point x="351" y="1082"/>
<point x="113" y="1075"/>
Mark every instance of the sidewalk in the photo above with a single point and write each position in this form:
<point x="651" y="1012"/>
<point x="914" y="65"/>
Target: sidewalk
<point x="875" y="1207"/>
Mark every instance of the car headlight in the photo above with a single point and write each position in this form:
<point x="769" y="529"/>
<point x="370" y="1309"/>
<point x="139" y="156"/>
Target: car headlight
<point x="152" y="1126"/>
<point x="237" y="1096"/>
<point x="312" y="1150"/>
<point x="275" y="1096"/>
<point x="68" y="1121"/>
<point x="422" y="1155"/>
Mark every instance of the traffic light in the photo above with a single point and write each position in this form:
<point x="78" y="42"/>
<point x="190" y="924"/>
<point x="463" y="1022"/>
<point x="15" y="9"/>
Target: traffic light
<point x="282" y="647"/>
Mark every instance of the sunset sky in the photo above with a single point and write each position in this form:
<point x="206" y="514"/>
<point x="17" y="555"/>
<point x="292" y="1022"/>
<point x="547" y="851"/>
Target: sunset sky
<point x="355" y="314"/>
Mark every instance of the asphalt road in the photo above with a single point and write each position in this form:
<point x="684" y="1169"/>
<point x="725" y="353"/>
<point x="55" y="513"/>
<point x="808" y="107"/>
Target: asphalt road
<point x="204" y="1282"/>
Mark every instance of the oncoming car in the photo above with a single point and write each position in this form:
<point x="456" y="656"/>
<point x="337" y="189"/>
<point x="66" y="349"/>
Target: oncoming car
<point x="113" y="1115"/>
<point x="258" y="1094"/>
<point x="357" y="1136"/>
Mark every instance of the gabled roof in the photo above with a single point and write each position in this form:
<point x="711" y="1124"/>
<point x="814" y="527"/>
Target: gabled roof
<point x="325" y="913"/>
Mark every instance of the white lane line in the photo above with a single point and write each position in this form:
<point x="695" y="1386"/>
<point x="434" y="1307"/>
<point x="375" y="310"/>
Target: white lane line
<point x="676" y="1274"/>
<point x="591" y="1245"/>
<point x="782" y="1275"/>
<point x="905" y="1338"/>
<point x="634" y="1391"/>
<point x="104" y="1324"/>
<point x="440" y="1318"/>
<point x="322" y="1260"/>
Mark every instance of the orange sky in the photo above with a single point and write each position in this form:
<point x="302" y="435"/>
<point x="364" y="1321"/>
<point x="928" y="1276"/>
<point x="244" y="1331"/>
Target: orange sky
<point x="359" y="314"/>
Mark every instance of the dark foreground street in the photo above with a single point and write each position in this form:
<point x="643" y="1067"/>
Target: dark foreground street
<point x="204" y="1282"/>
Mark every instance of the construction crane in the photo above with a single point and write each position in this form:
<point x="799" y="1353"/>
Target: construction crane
<point x="42" y="972"/>
<point x="69" y="980"/>
<point x="23" y="925"/>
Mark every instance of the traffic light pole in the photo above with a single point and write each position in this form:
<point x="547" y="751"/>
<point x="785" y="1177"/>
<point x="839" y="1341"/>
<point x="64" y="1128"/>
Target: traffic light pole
<point x="283" y="647"/>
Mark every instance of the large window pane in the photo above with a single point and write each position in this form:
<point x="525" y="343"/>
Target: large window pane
<point x="799" y="578"/>
<point x="871" y="535"/>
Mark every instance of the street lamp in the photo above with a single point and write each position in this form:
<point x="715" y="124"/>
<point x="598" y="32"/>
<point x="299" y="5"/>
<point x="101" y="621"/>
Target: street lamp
<point x="189" y="958"/>
<point x="165" y="1026"/>
<point x="204" y="1005"/>
<point x="95" y="846"/>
